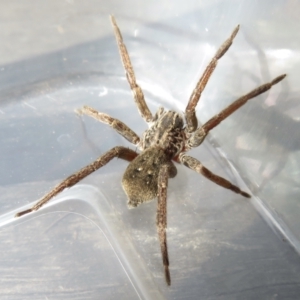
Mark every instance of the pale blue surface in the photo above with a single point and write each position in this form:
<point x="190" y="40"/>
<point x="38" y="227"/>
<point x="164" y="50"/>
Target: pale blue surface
<point x="220" y="247"/>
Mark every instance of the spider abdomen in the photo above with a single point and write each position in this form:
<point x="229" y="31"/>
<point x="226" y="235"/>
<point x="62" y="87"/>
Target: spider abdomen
<point x="140" y="180"/>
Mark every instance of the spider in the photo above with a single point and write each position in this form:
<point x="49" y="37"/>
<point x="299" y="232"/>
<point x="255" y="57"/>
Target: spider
<point x="169" y="137"/>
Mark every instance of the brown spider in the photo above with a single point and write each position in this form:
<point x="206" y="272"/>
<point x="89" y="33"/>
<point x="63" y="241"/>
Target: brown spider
<point x="167" y="139"/>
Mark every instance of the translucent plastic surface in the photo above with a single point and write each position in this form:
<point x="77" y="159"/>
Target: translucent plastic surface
<point x="86" y="243"/>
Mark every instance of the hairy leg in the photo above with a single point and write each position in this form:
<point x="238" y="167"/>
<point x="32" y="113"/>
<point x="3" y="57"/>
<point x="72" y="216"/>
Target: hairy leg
<point x="117" y="125"/>
<point x="120" y="152"/>
<point x="190" y="114"/>
<point x="196" y="165"/>
<point x="161" y="218"/>
<point x="136" y="90"/>
<point x="201" y="132"/>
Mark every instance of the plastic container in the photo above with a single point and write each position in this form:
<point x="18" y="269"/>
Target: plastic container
<point x="86" y="243"/>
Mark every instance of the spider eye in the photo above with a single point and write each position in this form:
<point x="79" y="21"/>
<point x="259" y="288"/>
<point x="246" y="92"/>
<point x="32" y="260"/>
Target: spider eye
<point x="139" y="169"/>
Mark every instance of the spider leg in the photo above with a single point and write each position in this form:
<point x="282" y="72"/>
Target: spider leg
<point x="136" y="90"/>
<point x="201" y="132"/>
<point x="117" y="125"/>
<point x="120" y="152"/>
<point x="161" y="218"/>
<point x="196" y="165"/>
<point x="190" y="114"/>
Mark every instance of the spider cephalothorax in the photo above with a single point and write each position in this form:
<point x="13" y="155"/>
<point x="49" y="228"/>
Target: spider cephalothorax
<point x="168" y="139"/>
<point x="166" y="132"/>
